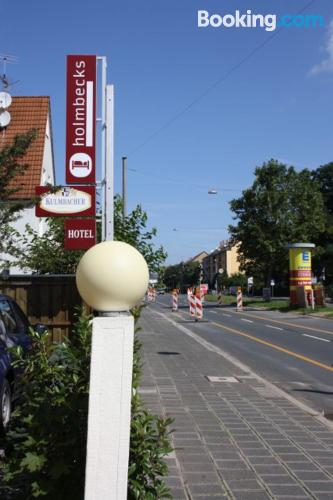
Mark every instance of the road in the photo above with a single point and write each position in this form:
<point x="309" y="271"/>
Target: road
<point x="291" y="351"/>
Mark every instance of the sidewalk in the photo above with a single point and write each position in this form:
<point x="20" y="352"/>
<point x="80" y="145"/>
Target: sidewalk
<point x="234" y="438"/>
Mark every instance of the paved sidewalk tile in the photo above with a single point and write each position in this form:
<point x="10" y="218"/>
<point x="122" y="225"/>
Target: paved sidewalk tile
<point x="232" y="440"/>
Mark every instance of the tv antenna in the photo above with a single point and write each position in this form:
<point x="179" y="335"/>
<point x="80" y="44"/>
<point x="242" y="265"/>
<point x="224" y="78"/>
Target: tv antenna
<point x="7" y="59"/>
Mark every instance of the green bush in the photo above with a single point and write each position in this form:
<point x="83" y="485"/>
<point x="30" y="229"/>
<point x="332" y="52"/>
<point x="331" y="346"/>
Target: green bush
<point x="46" y="440"/>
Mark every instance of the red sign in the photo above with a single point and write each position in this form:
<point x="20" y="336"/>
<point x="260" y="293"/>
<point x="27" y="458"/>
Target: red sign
<point x="80" y="234"/>
<point x="204" y="289"/>
<point x="81" y="119"/>
<point x="66" y="201"/>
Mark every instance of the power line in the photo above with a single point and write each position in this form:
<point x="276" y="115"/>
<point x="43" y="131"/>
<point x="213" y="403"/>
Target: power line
<point x="215" y="84"/>
<point x="184" y="228"/>
<point x="181" y="181"/>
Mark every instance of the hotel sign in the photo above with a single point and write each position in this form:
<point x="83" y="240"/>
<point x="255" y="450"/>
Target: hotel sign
<point x="80" y="234"/>
<point x="66" y="201"/>
<point x="80" y="119"/>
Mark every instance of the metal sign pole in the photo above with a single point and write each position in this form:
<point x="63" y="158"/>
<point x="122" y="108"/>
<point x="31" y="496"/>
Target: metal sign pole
<point x="103" y="132"/>
<point x="109" y="162"/>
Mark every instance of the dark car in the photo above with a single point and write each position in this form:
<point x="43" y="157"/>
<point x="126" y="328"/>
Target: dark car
<point x="14" y="331"/>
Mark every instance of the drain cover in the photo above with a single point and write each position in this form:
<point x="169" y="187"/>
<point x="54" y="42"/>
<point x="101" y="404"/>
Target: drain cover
<point x="212" y="378"/>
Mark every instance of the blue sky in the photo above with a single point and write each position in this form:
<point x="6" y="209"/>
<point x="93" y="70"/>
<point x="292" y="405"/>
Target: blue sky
<point x="279" y="103"/>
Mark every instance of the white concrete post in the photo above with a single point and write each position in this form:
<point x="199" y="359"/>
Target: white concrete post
<point x="109" y="407"/>
<point x="111" y="277"/>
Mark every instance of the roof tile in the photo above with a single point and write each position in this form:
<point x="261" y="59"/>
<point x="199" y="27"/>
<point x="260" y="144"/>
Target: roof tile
<point x="27" y="113"/>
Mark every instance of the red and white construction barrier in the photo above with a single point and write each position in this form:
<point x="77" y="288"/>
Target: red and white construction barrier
<point x="191" y="299"/>
<point x="151" y="295"/>
<point x="174" y="302"/>
<point x="189" y="293"/>
<point x="198" y="307"/>
<point x="239" y="300"/>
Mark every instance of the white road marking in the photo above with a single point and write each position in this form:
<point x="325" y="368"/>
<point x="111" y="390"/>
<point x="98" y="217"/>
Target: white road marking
<point x="275" y="327"/>
<point x="247" y="320"/>
<point x="313" y="337"/>
<point x="228" y="315"/>
<point x="213" y="312"/>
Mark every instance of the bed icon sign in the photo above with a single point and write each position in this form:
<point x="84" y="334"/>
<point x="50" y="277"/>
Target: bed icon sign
<point x="80" y="165"/>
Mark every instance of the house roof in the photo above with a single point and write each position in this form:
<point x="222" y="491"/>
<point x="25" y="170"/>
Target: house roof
<point x="198" y="257"/>
<point x="27" y="113"/>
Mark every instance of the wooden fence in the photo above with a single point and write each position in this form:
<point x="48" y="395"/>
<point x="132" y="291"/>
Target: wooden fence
<point x="47" y="299"/>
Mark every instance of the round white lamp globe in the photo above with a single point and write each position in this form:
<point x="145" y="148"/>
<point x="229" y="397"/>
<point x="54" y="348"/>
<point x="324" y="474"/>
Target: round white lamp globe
<point x="112" y="276"/>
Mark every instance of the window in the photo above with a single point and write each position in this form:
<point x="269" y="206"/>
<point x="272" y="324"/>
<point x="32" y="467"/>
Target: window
<point x="21" y="320"/>
<point x="7" y="316"/>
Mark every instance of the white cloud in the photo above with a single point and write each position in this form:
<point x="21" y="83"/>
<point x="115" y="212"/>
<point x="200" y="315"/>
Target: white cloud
<point x="327" y="64"/>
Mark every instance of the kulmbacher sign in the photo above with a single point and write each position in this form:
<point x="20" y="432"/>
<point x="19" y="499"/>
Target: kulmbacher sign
<point x="67" y="201"/>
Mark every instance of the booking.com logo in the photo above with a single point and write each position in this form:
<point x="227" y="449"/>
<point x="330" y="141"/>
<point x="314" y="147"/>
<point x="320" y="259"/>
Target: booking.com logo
<point x="270" y="22"/>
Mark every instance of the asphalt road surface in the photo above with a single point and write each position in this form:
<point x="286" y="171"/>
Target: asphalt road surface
<point x="291" y="351"/>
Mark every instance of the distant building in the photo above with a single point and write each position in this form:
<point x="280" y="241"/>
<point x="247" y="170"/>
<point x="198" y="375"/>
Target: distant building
<point x="27" y="113"/>
<point x="198" y="258"/>
<point x="223" y="257"/>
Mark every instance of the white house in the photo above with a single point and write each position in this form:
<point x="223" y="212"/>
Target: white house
<point x="28" y="113"/>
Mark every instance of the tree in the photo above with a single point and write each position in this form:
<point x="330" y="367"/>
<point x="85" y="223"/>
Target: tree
<point x="324" y="258"/>
<point x="132" y="230"/>
<point x="282" y="206"/>
<point x="11" y="167"/>
<point x="182" y="275"/>
<point x="46" y="254"/>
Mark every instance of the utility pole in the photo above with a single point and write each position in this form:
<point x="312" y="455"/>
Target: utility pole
<point x="124" y="160"/>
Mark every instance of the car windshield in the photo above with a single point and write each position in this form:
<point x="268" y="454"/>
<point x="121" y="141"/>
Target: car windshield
<point x="7" y="317"/>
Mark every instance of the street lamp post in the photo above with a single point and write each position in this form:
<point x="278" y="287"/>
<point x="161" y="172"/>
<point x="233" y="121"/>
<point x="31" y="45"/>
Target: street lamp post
<point x="111" y="278"/>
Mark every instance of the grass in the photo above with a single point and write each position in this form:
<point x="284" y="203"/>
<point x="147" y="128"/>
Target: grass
<point x="273" y="305"/>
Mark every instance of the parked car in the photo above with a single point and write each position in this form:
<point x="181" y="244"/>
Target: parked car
<point x="14" y="331"/>
<point x="161" y="291"/>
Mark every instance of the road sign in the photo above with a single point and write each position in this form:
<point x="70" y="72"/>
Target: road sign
<point x="80" y="234"/>
<point x="204" y="289"/>
<point x="272" y="283"/>
<point x="66" y="201"/>
<point x="250" y="280"/>
<point x="80" y="119"/>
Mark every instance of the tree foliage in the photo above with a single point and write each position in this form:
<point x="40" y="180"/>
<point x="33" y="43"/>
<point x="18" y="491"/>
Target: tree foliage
<point x="133" y="230"/>
<point x="46" y="441"/>
<point x="181" y="275"/>
<point x="46" y="254"/>
<point x="11" y="167"/>
<point x="281" y="207"/>
<point x="323" y="262"/>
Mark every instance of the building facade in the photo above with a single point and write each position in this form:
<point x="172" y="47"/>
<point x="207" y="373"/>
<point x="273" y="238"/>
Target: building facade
<point x="223" y="258"/>
<point x="198" y="258"/>
<point x="30" y="113"/>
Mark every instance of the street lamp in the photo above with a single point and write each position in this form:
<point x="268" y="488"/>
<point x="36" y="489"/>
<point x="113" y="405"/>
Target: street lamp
<point x="111" y="278"/>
